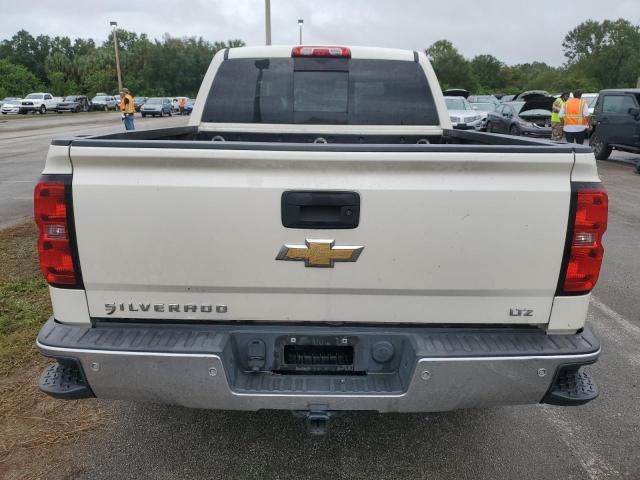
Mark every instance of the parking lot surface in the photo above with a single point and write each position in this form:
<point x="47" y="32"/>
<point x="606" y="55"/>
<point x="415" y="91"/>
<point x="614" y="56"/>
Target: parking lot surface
<point x="23" y="146"/>
<point x="600" y="440"/>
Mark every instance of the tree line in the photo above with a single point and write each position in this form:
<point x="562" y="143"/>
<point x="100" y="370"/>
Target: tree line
<point x="599" y="55"/>
<point x="169" y="66"/>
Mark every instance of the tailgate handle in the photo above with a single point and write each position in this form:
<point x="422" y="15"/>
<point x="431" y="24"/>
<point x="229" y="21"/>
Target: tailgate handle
<point x="320" y="210"/>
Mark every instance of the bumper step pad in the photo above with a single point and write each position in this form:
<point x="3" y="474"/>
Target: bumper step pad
<point x="65" y="382"/>
<point x="572" y="387"/>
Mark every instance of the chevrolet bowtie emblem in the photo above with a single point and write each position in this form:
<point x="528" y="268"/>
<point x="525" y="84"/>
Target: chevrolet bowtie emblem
<point x="319" y="253"/>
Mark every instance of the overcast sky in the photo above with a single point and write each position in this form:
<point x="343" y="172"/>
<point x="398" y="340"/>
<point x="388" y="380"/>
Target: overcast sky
<point x="515" y="31"/>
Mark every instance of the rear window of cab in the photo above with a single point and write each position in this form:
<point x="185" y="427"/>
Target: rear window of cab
<point x="320" y="91"/>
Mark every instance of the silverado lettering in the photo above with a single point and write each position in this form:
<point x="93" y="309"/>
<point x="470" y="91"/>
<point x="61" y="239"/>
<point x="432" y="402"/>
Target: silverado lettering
<point x="110" y="308"/>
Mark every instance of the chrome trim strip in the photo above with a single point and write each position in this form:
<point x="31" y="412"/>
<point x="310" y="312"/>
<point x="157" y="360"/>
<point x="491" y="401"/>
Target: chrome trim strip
<point x="582" y="356"/>
<point x="46" y="348"/>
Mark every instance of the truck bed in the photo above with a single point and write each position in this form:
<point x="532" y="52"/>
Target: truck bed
<point x="195" y="137"/>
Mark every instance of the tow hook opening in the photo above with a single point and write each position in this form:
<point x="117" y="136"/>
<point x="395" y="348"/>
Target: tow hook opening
<point x="317" y="419"/>
<point x="318" y="423"/>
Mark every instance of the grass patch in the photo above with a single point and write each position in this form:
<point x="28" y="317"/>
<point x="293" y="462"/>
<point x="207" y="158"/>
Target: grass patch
<point x="35" y="429"/>
<point x="24" y="297"/>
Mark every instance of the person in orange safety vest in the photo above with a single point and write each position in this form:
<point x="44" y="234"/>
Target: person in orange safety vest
<point x="575" y="114"/>
<point x="128" y="109"/>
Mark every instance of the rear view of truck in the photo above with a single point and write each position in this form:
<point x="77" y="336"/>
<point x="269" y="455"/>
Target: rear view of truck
<point x="318" y="239"/>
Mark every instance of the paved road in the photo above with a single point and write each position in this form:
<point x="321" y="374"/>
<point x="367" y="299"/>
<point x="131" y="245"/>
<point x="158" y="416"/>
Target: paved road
<point x="598" y="441"/>
<point x="23" y="147"/>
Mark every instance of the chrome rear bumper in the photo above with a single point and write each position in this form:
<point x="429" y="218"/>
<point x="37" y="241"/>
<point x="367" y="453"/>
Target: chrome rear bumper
<point x="203" y="366"/>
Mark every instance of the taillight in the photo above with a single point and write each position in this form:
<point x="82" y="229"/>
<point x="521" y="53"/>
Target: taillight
<point x="315" y="51"/>
<point x="585" y="250"/>
<point x="52" y="211"/>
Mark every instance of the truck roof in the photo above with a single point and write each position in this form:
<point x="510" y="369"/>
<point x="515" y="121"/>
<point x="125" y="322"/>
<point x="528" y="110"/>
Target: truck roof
<point x="621" y="90"/>
<point x="284" y="51"/>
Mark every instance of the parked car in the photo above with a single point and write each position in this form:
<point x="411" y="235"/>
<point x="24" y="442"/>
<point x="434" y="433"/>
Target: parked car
<point x="616" y="122"/>
<point x="38" y="102"/>
<point x="8" y="99"/>
<point x="189" y="105"/>
<point x="138" y="102"/>
<point x="531" y="118"/>
<point x="157" y="106"/>
<point x="11" y="106"/>
<point x="507" y="98"/>
<point x="483" y="109"/>
<point x="104" y="102"/>
<point x="462" y="114"/>
<point x="483" y="99"/>
<point x="74" y="103"/>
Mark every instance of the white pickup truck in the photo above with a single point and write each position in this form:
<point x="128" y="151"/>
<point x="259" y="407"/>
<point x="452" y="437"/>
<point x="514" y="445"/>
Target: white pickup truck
<point x="319" y="239"/>
<point x="39" y="102"/>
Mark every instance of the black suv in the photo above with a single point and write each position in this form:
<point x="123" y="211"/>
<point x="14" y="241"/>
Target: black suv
<point x="616" y="122"/>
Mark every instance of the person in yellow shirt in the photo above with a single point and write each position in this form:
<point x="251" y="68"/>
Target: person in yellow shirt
<point x="556" y="121"/>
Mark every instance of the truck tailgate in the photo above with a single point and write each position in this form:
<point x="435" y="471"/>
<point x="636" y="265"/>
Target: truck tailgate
<point x="449" y="237"/>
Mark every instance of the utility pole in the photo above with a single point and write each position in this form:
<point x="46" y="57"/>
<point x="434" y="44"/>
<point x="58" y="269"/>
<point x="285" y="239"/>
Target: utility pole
<point x="300" y="23"/>
<point x="267" y="20"/>
<point x="114" y="25"/>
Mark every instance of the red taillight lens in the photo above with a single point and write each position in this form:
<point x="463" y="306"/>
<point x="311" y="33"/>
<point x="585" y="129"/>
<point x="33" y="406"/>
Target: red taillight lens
<point x="314" y="51"/>
<point x="54" y="245"/>
<point x="586" y="251"/>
